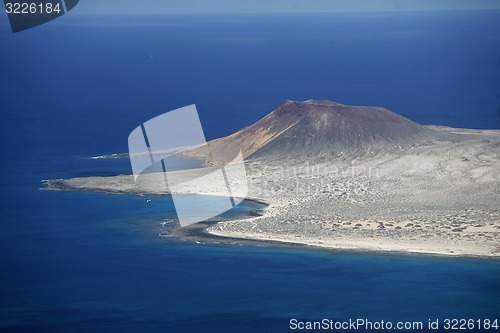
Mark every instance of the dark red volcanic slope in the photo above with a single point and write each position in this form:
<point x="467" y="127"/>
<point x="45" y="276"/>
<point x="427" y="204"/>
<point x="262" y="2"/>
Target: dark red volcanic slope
<point x="323" y="127"/>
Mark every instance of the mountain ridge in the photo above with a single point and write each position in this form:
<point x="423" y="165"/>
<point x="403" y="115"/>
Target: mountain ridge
<point x="311" y="127"/>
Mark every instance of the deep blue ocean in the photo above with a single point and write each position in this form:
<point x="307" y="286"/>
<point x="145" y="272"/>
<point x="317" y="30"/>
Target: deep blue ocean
<point x="77" y="86"/>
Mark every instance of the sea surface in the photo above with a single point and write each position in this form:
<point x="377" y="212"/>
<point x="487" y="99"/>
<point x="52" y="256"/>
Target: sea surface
<point x="88" y="262"/>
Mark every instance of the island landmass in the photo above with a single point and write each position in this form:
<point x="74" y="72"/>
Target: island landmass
<point x="351" y="178"/>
